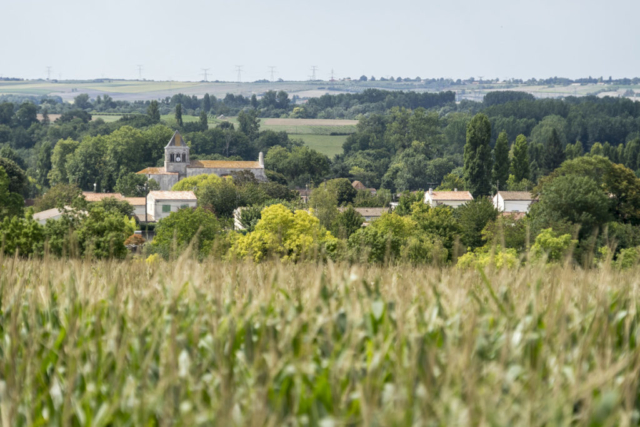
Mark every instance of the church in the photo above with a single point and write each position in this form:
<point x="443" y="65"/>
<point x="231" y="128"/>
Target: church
<point x="178" y="165"/>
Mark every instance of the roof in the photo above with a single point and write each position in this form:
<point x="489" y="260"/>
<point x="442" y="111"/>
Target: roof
<point x="176" y="141"/>
<point x="135" y="201"/>
<point x="450" y="195"/>
<point x="369" y="212"/>
<point x="516" y="195"/>
<point x="514" y="215"/>
<point x="224" y="164"/>
<point x="358" y="185"/>
<point x="172" y="195"/>
<point x="96" y="197"/>
<point x="140" y="217"/>
<point x="156" y="171"/>
<point x="49" y="213"/>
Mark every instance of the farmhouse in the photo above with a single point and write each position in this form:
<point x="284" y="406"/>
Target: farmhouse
<point x="447" y="198"/>
<point x="513" y="201"/>
<point x="178" y="165"/>
<point x="360" y="186"/>
<point x="160" y="204"/>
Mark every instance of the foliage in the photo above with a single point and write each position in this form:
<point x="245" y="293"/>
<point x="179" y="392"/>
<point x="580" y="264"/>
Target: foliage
<point x="508" y="232"/>
<point x="343" y="190"/>
<point x="520" y="159"/>
<point x="485" y="256"/>
<point x="196" y="182"/>
<point x="198" y="227"/>
<point x="406" y="202"/>
<point x="135" y="185"/>
<point x="477" y="156"/>
<point x="324" y="202"/>
<point x="285" y="234"/>
<point x="102" y="234"/>
<point x="473" y="217"/>
<point x="501" y="160"/>
<point x="17" y="177"/>
<point x="21" y="235"/>
<point x="58" y="196"/>
<point x="555" y="248"/>
<point x="347" y="222"/>
<point x="134" y="239"/>
<point x="10" y="203"/>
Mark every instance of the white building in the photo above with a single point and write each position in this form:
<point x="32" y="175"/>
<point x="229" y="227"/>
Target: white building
<point x="447" y="198"/>
<point x="138" y="204"/>
<point x="513" y="201"/>
<point x="160" y="204"/>
<point x="54" y="214"/>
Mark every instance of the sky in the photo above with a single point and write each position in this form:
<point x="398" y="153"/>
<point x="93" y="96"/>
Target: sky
<point x="175" y="40"/>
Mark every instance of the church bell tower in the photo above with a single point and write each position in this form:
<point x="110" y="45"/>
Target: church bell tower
<point x="176" y="155"/>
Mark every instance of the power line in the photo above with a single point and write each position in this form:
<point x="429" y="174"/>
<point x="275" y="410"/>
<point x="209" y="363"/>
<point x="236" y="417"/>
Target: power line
<point x="272" y="70"/>
<point x="314" y="68"/>
<point x="332" y="79"/>
<point x="204" y="71"/>
<point x="139" y="72"/>
<point x="239" y="71"/>
<point x="48" y="73"/>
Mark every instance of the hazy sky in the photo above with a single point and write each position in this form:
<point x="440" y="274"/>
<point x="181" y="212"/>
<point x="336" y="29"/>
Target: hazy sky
<point x="175" y="39"/>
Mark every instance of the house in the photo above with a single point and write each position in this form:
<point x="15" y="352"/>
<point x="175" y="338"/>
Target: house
<point x="305" y="193"/>
<point x="138" y="204"/>
<point x="178" y="165"/>
<point x="160" y="204"/>
<point x="52" y="214"/>
<point x="448" y="198"/>
<point x="513" y="201"/>
<point x="369" y="214"/>
<point x="91" y="196"/>
<point x="360" y="186"/>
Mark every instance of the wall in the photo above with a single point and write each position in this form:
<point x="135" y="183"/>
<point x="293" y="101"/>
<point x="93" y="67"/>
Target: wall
<point x="166" y="181"/>
<point x="258" y="173"/>
<point x="517" y="205"/>
<point x="154" y="207"/>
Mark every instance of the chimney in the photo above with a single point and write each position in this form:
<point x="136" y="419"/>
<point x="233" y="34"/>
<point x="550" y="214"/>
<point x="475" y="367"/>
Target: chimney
<point x="455" y="189"/>
<point x="261" y="159"/>
<point x="430" y="191"/>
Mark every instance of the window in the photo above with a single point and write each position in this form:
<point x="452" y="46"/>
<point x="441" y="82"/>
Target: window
<point x="184" y="206"/>
<point x="171" y="157"/>
<point x="166" y="208"/>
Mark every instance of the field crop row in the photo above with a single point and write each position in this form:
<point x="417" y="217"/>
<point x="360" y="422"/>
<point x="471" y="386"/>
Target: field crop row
<point x="211" y="343"/>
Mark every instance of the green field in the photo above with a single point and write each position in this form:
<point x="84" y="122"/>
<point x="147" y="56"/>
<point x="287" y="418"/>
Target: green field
<point x="326" y="144"/>
<point x="200" y="343"/>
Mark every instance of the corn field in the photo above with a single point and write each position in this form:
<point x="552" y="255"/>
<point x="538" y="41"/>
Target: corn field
<point x="130" y="343"/>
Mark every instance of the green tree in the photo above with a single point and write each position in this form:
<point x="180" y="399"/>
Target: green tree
<point x="520" y="160"/>
<point x="26" y="115"/>
<point x="135" y="185"/>
<point x="206" y="103"/>
<point x="184" y="227"/>
<point x="632" y="154"/>
<point x="10" y="203"/>
<point x="21" y="235"/>
<point x="102" y="234"/>
<point x="342" y="188"/>
<point x="324" y="203"/>
<point x="248" y="123"/>
<point x="473" y="217"/>
<point x="438" y="221"/>
<point x="501" y="160"/>
<point x="82" y="101"/>
<point x="17" y="177"/>
<point x="221" y="198"/>
<point x="58" y="196"/>
<point x="44" y="164"/>
<point x="452" y="182"/>
<point x="347" y="222"/>
<point x="179" y="115"/>
<point x="553" y="152"/>
<point x="45" y="117"/>
<point x="477" y="156"/>
<point x="58" y="173"/>
<point x="153" y="112"/>
<point x="204" y="121"/>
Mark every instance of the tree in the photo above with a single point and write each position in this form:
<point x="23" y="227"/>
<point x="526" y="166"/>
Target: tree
<point x="473" y="218"/>
<point x="58" y="196"/>
<point x="439" y="221"/>
<point x="248" y="123"/>
<point x="324" y="203"/>
<point x="347" y="222"/>
<point x="632" y="154"/>
<point x="221" y="198"/>
<point x="343" y="190"/>
<point x="197" y="182"/>
<point x="17" y="177"/>
<point x="501" y="160"/>
<point x="58" y="173"/>
<point x="288" y="235"/>
<point x="452" y="182"/>
<point x="26" y="115"/>
<point x="135" y="185"/>
<point x="477" y="156"/>
<point x="363" y="78"/>
<point x="520" y="160"/>
<point x="184" y="227"/>
<point x="45" y="117"/>
<point x="44" y="164"/>
<point x="10" y="203"/>
<point x="206" y="103"/>
<point x="283" y="100"/>
<point x="179" y="115"/>
<point x="82" y="101"/>
<point x="553" y="152"/>
<point x="21" y="235"/>
<point x="102" y="234"/>
<point x="154" y="112"/>
<point x="204" y="122"/>
<point x="254" y="101"/>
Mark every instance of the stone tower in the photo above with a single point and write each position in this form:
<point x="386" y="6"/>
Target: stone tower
<point x="176" y="155"/>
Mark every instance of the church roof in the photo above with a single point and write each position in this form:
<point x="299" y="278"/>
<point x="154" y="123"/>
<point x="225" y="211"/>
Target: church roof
<point x="156" y="171"/>
<point x="176" y="141"/>
<point x="224" y="164"/>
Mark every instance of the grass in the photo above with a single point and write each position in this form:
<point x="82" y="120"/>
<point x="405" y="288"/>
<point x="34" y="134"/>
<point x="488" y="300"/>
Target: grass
<point x="329" y="145"/>
<point x="213" y="343"/>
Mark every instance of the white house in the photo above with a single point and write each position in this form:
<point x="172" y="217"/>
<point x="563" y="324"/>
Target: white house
<point x="448" y="198"/>
<point x="513" y="201"/>
<point x="138" y="204"/>
<point x="54" y="214"/>
<point x="160" y="204"/>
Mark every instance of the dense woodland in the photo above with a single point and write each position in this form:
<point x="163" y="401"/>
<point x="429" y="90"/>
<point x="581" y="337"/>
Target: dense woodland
<point x="581" y="156"/>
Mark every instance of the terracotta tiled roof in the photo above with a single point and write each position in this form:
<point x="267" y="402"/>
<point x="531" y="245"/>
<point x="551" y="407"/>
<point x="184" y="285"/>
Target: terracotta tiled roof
<point x="176" y="140"/>
<point x="358" y="185"/>
<point x="451" y="195"/>
<point x="96" y="197"/>
<point x="516" y="195"/>
<point x="172" y="195"/>
<point x="156" y="171"/>
<point x="135" y="201"/>
<point x="224" y="164"/>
